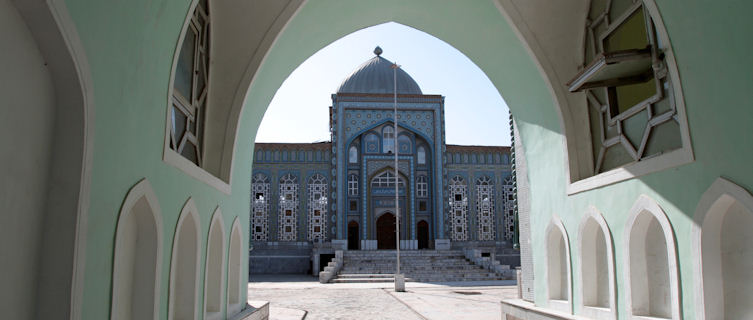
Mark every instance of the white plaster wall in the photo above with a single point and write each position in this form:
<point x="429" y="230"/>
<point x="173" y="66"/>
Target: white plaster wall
<point x="737" y="262"/>
<point x="26" y="122"/>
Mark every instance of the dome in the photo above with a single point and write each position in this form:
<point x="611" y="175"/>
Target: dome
<point x="375" y="76"/>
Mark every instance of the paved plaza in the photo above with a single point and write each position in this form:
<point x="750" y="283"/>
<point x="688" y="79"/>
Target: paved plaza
<point x="303" y="297"/>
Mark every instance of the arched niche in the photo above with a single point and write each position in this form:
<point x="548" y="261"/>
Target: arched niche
<point x="184" y="265"/>
<point x="214" y="271"/>
<point x="723" y="251"/>
<point x="558" y="292"/>
<point x="234" y="270"/>
<point x="596" y="292"/>
<point x="138" y="256"/>
<point x="45" y="196"/>
<point x="651" y="280"/>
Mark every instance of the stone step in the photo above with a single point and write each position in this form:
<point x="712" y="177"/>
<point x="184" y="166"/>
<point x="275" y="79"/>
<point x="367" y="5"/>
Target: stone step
<point x="366" y="275"/>
<point x="416" y="265"/>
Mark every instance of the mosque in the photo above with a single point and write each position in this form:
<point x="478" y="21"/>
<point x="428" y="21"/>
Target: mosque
<point x="342" y="193"/>
<point x="127" y="159"/>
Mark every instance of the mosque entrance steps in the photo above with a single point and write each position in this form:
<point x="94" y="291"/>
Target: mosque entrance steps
<point x="417" y="265"/>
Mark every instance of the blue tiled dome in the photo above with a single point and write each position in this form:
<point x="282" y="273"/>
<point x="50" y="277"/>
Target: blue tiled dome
<point x="375" y="76"/>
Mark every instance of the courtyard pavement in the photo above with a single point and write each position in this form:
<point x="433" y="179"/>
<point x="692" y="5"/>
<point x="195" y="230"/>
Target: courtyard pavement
<point x="303" y="297"/>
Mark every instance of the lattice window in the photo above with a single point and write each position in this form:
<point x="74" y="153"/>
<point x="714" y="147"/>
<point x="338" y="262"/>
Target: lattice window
<point x="352" y="185"/>
<point x="317" y="202"/>
<point x="631" y="107"/>
<point x="260" y="207"/>
<point x="189" y="98"/>
<point x="485" y="208"/>
<point x="288" y="208"/>
<point x="388" y="139"/>
<point x="508" y="194"/>
<point x="386" y="179"/>
<point x="422" y="187"/>
<point x="458" y="209"/>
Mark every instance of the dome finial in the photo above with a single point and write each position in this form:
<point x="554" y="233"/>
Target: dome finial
<point x="377" y="51"/>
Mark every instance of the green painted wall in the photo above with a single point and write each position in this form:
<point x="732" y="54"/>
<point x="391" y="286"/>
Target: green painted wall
<point x="130" y="47"/>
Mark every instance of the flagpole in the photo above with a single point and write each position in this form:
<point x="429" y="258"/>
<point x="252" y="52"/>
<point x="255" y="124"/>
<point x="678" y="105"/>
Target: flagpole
<point x="399" y="281"/>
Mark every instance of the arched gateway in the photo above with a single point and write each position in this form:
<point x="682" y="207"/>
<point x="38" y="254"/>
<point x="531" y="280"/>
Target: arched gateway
<point x="360" y="168"/>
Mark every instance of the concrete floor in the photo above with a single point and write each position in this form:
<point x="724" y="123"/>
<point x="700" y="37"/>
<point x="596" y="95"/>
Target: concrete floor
<point x="303" y="297"/>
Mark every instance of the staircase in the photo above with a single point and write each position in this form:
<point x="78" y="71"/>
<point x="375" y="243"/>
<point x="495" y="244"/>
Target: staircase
<point x="416" y="265"/>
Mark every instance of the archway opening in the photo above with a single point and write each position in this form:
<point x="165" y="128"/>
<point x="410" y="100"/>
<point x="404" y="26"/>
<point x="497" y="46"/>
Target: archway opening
<point x="422" y="228"/>
<point x="353" y="235"/>
<point x="385" y="229"/>
<point x="135" y="264"/>
<point x="594" y="266"/>
<point x="649" y="268"/>
<point x="727" y="247"/>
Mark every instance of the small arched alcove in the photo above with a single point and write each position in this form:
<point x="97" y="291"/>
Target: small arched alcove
<point x="723" y="249"/>
<point x="214" y="272"/>
<point x="596" y="274"/>
<point x="651" y="276"/>
<point x="138" y="252"/>
<point x="184" y="266"/>
<point x="558" y="266"/>
<point x="234" y="270"/>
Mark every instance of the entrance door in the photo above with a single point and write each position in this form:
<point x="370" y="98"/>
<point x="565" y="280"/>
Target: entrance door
<point x="352" y="236"/>
<point x="422" y="228"/>
<point x="385" y="226"/>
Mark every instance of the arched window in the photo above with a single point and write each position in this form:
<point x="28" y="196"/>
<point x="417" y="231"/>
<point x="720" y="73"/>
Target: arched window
<point x="508" y="198"/>
<point x="422" y="187"/>
<point x="353" y="155"/>
<point x="189" y="94"/>
<point x="421" y="155"/>
<point x="629" y="73"/>
<point x="288" y="208"/>
<point x="458" y="209"/>
<point x="260" y="207"/>
<point x="352" y="185"/>
<point x="485" y="208"/>
<point x="388" y="139"/>
<point x="317" y="208"/>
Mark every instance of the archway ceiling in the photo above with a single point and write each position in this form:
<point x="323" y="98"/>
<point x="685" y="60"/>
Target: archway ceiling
<point x="521" y="70"/>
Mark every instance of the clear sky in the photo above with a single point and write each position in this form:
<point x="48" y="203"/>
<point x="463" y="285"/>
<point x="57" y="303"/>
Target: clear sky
<point x="475" y="113"/>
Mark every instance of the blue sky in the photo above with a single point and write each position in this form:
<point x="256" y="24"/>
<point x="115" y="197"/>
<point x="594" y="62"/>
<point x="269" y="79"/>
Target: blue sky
<point x="475" y="113"/>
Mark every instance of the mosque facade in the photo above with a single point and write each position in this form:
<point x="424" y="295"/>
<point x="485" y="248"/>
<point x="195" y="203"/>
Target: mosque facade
<point x="341" y="194"/>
